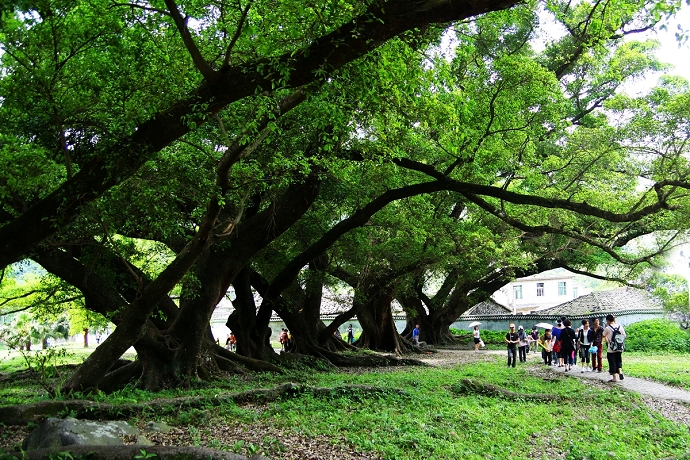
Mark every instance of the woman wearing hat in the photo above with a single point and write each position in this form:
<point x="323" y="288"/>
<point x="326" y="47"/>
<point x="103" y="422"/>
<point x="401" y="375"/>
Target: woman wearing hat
<point x="522" y="344"/>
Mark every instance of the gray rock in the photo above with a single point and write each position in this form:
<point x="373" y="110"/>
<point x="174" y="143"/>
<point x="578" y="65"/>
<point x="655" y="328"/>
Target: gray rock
<point x="66" y="432"/>
<point x="157" y="427"/>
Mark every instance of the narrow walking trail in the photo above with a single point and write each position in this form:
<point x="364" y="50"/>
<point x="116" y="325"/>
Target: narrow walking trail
<point x="642" y="386"/>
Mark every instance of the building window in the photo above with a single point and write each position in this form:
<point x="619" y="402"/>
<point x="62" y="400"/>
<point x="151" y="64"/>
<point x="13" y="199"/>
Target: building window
<point x="574" y="292"/>
<point x="540" y="289"/>
<point x="518" y="291"/>
<point x="561" y="288"/>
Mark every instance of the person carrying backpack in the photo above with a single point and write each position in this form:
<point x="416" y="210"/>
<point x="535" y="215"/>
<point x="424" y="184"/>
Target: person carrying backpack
<point x="614" y="335"/>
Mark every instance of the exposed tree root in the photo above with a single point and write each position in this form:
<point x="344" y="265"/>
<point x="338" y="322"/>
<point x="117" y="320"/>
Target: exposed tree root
<point x="249" y="363"/>
<point x="130" y="452"/>
<point x="120" y="376"/>
<point x="472" y="387"/>
<point x="36" y="412"/>
<point x="367" y="360"/>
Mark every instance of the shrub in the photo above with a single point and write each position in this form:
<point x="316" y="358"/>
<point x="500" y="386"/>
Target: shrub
<point x="657" y="335"/>
<point x="494" y="338"/>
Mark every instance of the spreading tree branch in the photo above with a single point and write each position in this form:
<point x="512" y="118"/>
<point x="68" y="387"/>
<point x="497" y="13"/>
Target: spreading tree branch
<point x="199" y="62"/>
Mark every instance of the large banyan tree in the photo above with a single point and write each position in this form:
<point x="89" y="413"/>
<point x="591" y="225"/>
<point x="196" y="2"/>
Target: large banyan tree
<point x="278" y="148"/>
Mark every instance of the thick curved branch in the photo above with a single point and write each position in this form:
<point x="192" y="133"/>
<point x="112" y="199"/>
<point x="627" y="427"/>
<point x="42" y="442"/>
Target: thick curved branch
<point x="602" y="277"/>
<point x="358" y="219"/>
<point x="583" y="208"/>
<point x="541" y="229"/>
<point x="352" y="40"/>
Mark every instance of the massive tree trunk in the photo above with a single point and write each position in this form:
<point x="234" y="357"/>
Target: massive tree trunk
<point x="378" y="326"/>
<point x="173" y="352"/>
<point x="134" y="320"/>
<point x="300" y="309"/>
<point x="186" y="347"/>
<point x="253" y="334"/>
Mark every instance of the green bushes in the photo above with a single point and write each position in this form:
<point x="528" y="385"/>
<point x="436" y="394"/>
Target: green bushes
<point x="490" y="338"/>
<point x="657" y="335"/>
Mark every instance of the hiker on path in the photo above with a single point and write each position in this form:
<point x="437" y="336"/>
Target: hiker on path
<point x="556" y="347"/>
<point x="597" y="342"/>
<point x="512" y="340"/>
<point x="614" y="355"/>
<point x="477" y="338"/>
<point x="522" y="344"/>
<point x="585" y="337"/>
<point x="546" y="347"/>
<point x="568" y="340"/>
<point x="534" y="336"/>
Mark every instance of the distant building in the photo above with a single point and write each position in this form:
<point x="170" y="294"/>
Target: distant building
<point x="626" y="300"/>
<point x="628" y="305"/>
<point x="540" y="291"/>
<point x="488" y="307"/>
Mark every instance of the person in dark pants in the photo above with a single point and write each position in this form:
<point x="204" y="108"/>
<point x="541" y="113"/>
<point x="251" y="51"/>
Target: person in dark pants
<point x="568" y="339"/>
<point x="597" y="342"/>
<point x="585" y="337"/>
<point x="614" y="357"/>
<point x="556" y="333"/>
<point x="522" y="344"/>
<point x="350" y="334"/>
<point x="512" y="340"/>
<point x="545" y="343"/>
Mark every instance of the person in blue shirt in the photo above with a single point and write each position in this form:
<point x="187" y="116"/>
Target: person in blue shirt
<point x="556" y="333"/>
<point x="415" y="335"/>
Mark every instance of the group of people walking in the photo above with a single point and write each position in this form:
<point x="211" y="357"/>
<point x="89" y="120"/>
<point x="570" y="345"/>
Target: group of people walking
<point x="562" y="345"/>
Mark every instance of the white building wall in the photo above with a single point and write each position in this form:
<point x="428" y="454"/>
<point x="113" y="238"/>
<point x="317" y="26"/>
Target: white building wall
<point x="530" y="301"/>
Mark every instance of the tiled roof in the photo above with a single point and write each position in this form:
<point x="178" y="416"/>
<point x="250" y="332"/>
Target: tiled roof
<point x="488" y="307"/>
<point x="625" y="298"/>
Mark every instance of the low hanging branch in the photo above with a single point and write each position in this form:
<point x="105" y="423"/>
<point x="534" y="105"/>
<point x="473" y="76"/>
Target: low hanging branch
<point x="469" y="190"/>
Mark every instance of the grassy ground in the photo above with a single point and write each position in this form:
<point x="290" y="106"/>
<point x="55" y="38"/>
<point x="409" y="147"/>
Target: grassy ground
<point x="670" y="368"/>
<point x="419" y="412"/>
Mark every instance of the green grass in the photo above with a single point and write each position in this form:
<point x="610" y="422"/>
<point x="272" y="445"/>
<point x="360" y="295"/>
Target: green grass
<point x="418" y="415"/>
<point x="668" y="368"/>
<point x="430" y="421"/>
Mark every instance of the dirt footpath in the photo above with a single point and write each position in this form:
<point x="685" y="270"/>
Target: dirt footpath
<point x="671" y="403"/>
<point x="642" y="386"/>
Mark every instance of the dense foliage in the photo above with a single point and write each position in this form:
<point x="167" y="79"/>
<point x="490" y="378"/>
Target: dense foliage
<point x="282" y="148"/>
<point x="657" y="335"/>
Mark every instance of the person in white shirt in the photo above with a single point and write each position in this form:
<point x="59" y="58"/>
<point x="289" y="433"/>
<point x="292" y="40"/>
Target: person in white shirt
<point x="477" y="338"/>
<point x="585" y="337"/>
